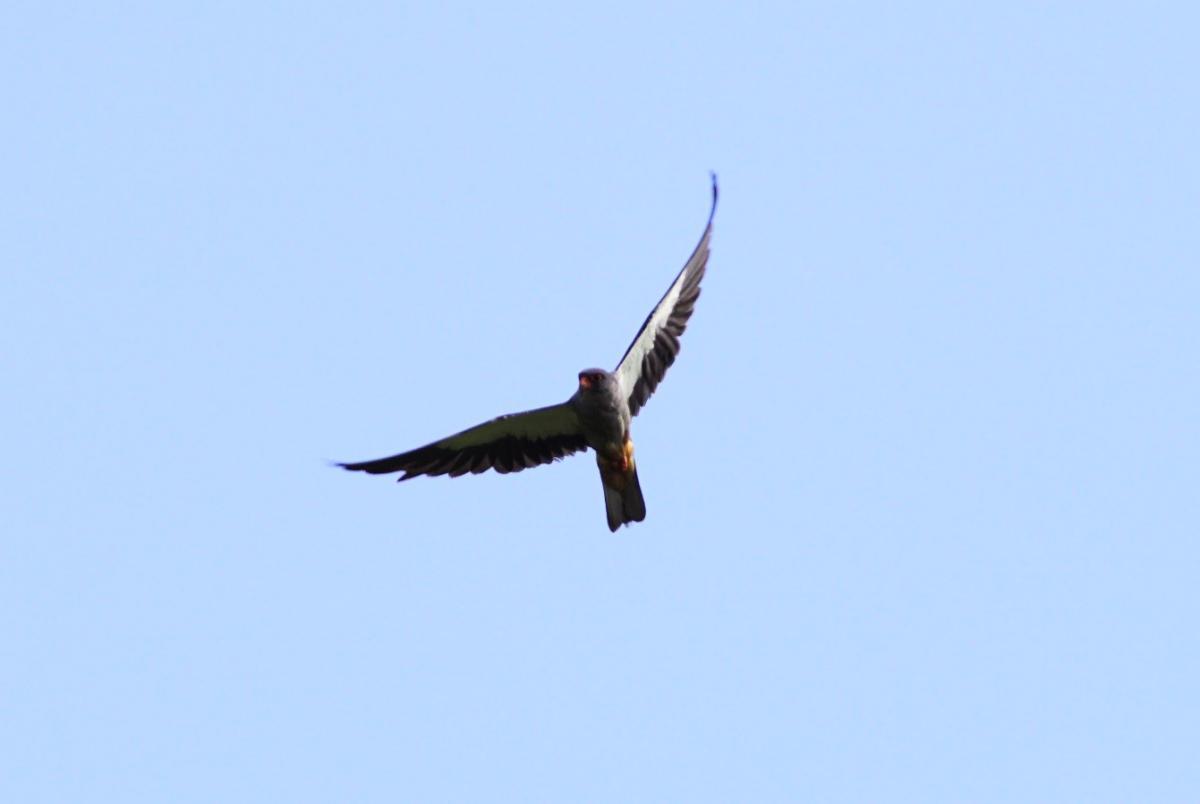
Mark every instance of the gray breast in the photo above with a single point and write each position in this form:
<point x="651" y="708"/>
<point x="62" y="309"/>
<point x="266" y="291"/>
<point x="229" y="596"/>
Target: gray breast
<point x="604" y="416"/>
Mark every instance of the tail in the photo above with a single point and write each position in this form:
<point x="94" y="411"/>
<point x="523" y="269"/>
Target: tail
<point x="623" y="501"/>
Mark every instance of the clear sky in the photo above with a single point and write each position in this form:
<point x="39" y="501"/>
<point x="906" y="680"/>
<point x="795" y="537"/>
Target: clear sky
<point x="922" y="485"/>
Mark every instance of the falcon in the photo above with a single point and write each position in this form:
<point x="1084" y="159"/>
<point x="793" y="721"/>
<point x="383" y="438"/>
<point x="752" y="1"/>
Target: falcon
<point x="597" y="416"/>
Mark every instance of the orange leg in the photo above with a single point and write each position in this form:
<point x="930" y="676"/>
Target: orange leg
<point x="617" y="465"/>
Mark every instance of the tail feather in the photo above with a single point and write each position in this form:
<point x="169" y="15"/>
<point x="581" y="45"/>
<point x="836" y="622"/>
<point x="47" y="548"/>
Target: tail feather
<point x="623" y="502"/>
<point x="633" y="502"/>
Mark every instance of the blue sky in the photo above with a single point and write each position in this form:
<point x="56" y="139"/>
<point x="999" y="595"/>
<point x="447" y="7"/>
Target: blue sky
<point x="921" y="486"/>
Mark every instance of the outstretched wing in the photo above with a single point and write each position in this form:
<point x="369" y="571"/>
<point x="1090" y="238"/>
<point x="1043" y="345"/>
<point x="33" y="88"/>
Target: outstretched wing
<point x="654" y="349"/>
<point x="507" y="444"/>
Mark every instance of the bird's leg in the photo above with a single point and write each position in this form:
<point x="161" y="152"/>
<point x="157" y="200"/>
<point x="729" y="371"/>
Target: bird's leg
<point x="627" y="462"/>
<point x="619" y="459"/>
<point x="616" y="463"/>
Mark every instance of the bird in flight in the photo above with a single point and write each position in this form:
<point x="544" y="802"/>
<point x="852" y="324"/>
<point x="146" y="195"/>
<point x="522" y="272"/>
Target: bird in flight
<point x="597" y="415"/>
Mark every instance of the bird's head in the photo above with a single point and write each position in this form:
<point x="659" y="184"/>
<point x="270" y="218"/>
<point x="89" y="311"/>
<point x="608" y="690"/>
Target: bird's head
<point x="592" y="379"/>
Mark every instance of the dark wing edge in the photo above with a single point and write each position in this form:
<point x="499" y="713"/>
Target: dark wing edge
<point x="507" y="443"/>
<point x="656" y="345"/>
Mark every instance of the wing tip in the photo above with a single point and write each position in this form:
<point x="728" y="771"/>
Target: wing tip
<point x="715" y="195"/>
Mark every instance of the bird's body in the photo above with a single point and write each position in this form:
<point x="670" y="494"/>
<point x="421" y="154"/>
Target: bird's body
<point x="605" y="420"/>
<point x="597" y="416"/>
<point x="603" y="410"/>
